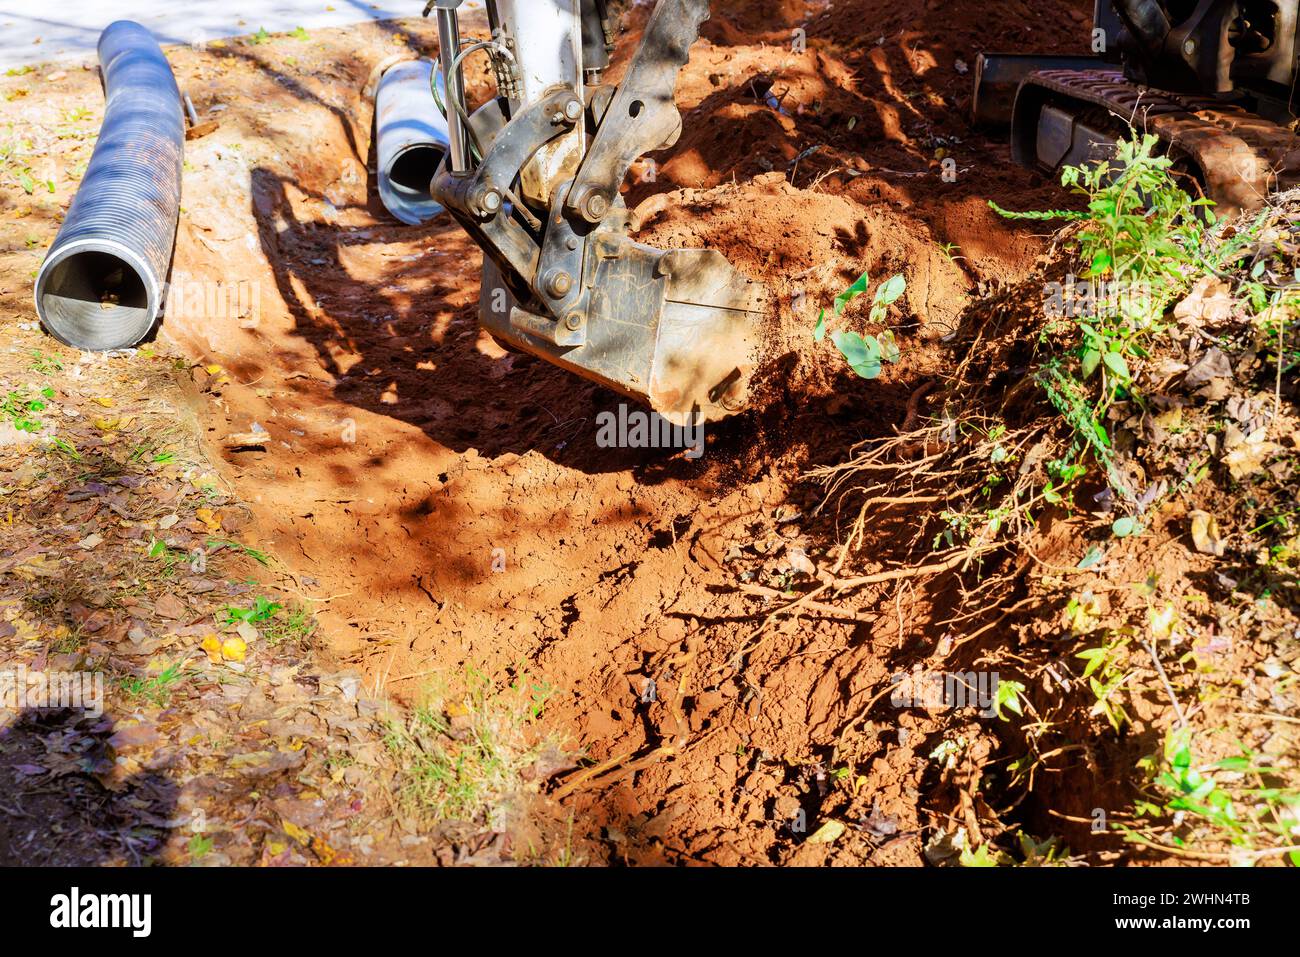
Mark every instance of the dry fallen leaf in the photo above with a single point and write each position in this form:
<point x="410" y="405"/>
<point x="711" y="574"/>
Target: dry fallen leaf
<point x="828" y="833"/>
<point x="1213" y="365"/>
<point x="326" y="854"/>
<point x="169" y="606"/>
<point x="246" y="441"/>
<point x="137" y="735"/>
<point x="1246" y="455"/>
<point x="1205" y="533"/>
<point x="1209" y="301"/>
<point x="800" y="561"/>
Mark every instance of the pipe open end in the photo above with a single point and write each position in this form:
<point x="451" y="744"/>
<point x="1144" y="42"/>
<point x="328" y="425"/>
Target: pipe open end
<point x="405" y="186"/>
<point x="95" y="299"/>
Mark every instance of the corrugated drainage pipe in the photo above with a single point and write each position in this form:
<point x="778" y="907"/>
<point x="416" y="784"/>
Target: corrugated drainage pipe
<point x="410" y="140"/>
<point x="103" y="281"/>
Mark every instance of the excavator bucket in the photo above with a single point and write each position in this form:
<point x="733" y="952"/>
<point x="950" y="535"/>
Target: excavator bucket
<point x="676" y="330"/>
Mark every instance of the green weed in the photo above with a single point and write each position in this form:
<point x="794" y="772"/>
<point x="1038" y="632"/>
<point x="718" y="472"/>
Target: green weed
<point x="865" y="354"/>
<point x="462" y="754"/>
<point x="156" y="690"/>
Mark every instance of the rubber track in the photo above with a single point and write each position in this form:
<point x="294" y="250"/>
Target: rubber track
<point x="1242" y="156"/>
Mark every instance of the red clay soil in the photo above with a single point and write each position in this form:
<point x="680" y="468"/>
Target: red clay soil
<point x="408" y="455"/>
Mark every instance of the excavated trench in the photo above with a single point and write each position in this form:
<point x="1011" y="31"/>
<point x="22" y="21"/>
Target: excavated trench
<point x="449" y="503"/>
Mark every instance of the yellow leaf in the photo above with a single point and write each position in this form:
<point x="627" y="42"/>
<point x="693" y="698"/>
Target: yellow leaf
<point x="209" y="518"/>
<point x="253" y="759"/>
<point x="1205" y="533"/>
<point x="1164" y="622"/>
<point x="212" y="645"/>
<point x="40" y="564"/>
<point x="326" y="854"/>
<point x="1246" y="454"/>
<point x="234" y="648"/>
<point x="299" y="834"/>
<point x="828" y="833"/>
<point x="103" y="400"/>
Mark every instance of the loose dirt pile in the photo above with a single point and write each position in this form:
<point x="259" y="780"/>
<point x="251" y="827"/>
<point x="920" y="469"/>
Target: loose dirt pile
<point x="444" y="507"/>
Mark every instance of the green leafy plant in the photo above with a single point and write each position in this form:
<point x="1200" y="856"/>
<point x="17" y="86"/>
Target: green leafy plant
<point x="462" y="754"/>
<point x="20" y="407"/>
<point x="215" y="545"/>
<point x="156" y="690"/>
<point x="865" y="354"/>
<point x="1009" y="695"/>
<point x="1125" y="526"/>
<point x="200" y="847"/>
<point x="1228" y="800"/>
<point x="986" y="855"/>
<point x="168" y="556"/>
<point x="295" y="625"/>
<point x="43" y="364"/>
<point x="262" y="609"/>
<point x="64" y="447"/>
<point x="1062" y="474"/>
<point x="1138" y="239"/>
<point x="1106" y="673"/>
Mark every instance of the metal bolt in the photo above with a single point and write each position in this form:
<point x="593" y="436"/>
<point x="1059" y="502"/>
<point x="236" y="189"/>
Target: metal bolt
<point x="558" y="283"/>
<point x="571" y="243"/>
<point x="596" y="206"/>
<point x="573" y="322"/>
<point x="1189" y="47"/>
<point x="573" y="110"/>
<point x="490" y="201"/>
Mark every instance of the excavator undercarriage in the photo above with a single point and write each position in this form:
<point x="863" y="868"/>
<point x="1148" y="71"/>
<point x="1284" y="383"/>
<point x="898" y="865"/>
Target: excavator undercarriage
<point x="1213" y="79"/>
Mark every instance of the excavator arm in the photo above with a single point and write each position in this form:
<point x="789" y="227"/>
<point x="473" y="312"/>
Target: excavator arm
<point x="534" y="176"/>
